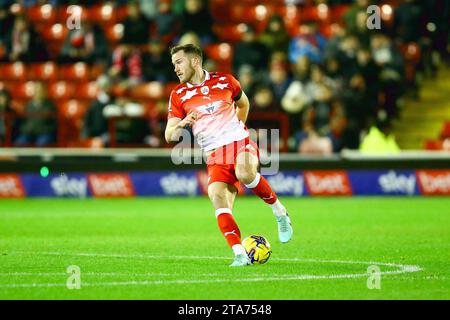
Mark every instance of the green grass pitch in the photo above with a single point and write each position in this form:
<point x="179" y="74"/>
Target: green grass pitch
<point x="171" y="248"/>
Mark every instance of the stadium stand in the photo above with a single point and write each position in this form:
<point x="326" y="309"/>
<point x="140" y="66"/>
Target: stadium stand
<point x="72" y="86"/>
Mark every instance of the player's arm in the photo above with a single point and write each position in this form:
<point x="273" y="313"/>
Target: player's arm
<point x="243" y="106"/>
<point x="175" y="126"/>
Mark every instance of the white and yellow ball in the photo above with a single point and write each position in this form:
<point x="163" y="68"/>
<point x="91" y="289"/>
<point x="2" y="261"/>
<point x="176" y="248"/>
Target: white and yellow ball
<point x="257" y="248"/>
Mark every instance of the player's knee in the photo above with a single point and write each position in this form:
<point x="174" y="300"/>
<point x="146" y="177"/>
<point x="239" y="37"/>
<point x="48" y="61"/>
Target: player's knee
<point x="245" y="174"/>
<point x="218" y="199"/>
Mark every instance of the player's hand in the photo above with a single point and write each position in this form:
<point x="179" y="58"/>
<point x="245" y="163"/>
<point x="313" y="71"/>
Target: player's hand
<point x="188" y="121"/>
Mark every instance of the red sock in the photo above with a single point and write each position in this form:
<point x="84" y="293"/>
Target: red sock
<point x="262" y="189"/>
<point x="228" y="226"/>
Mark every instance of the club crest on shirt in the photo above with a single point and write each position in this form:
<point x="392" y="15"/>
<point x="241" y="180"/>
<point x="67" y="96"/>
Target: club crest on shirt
<point x="204" y="90"/>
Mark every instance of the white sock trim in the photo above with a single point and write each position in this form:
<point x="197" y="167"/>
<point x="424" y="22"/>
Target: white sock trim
<point x="238" y="249"/>
<point x="255" y="182"/>
<point x="278" y="209"/>
<point x="223" y="210"/>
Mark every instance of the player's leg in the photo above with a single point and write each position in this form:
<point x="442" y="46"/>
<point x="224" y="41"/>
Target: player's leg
<point x="222" y="196"/>
<point x="246" y="171"/>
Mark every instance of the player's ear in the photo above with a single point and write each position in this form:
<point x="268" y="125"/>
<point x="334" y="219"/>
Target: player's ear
<point x="195" y="61"/>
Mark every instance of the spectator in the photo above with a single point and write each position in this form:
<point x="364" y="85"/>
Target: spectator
<point x="157" y="66"/>
<point x="391" y="64"/>
<point x="6" y="22"/>
<point x="250" y="51"/>
<point x="334" y="42"/>
<point x="362" y="32"/>
<point x="279" y="80"/>
<point x="40" y="123"/>
<point x="310" y="43"/>
<point x="275" y="37"/>
<point x="136" y="27"/>
<point x="366" y="66"/>
<point x="166" y="22"/>
<point x="313" y="107"/>
<point x="149" y="8"/>
<point x="308" y="141"/>
<point x="87" y="44"/>
<point x="301" y="69"/>
<point x="23" y="43"/>
<point x="350" y="17"/>
<point x="8" y="118"/>
<point x="334" y="73"/>
<point x="358" y="107"/>
<point x="95" y="125"/>
<point x="247" y="79"/>
<point x="263" y="101"/>
<point x="197" y="18"/>
<point x="346" y="55"/>
<point x="127" y="66"/>
<point x="190" y="37"/>
<point x="408" y="25"/>
<point x="380" y="139"/>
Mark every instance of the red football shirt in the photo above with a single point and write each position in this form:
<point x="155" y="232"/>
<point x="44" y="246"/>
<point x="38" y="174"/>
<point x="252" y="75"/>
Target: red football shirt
<point x="214" y="102"/>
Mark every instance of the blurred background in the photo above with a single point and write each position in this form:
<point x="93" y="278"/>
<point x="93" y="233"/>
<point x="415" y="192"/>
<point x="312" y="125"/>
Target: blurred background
<point x="310" y="68"/>
<point x="79" y="76"/>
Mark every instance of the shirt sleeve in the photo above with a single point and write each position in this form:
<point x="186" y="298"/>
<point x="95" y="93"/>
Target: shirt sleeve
<point x="236" y="87"/>
<point x="175" y="109"/>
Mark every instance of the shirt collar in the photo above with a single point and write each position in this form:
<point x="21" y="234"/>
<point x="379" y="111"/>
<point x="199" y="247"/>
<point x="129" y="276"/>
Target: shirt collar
<point x="207" y="77"/>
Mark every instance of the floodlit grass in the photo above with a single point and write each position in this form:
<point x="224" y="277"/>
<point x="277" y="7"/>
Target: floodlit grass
<point x="171" y="248"/>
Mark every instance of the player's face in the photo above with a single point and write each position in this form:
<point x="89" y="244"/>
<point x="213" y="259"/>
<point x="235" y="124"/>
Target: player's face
<point x="183" y="66"/>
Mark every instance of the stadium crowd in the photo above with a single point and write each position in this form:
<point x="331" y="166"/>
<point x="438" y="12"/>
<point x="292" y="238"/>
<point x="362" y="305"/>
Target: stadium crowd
<point x="315" y="62"/>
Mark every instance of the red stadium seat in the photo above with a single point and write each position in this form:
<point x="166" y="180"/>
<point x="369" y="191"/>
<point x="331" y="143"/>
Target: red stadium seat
<point x="445" y="133"/>
<point x="68" y="13"/>
<point x="149" y="90"/>
<point x="87" y="91"/>
<point x="102" y="14"/>
<point x="22" y="90"/>
<point x="250" y="14"/>
<point x="222" y="54"/>
<point x="338" y="12"/>
<point x="54" y="36"/>
<point x="121" y="12"/>
<point x="95" y="71"/>
<point x="433" y="145"/>
<point x="74" y="72"/>
<point x="13" y="71"/>
<point x="70" y="121"/>
<point x="219" y="51"/>
<point x="42" y="14"/>
<point x="319" y="13"/>
<point x="43" y="71"/>
<point x="411" y="52"/>
<point x="61" y="90"/>
<point x="114" y="33"/>
<point x="220" y="10"/>
<point x="169" y="87"/>
<point x="230" y="32"/>
<point x="72" y="108"/>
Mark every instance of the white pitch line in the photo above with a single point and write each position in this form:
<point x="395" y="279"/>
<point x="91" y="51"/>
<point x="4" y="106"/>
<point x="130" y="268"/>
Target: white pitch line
<point x="199" y="281"/>
<point x="402" y="269"/>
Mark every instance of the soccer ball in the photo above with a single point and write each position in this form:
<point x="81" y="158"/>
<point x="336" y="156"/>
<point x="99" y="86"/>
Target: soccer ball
<point x="257" y="248"/>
